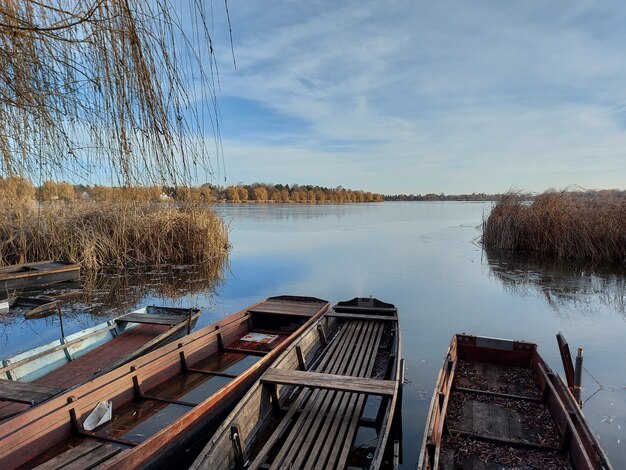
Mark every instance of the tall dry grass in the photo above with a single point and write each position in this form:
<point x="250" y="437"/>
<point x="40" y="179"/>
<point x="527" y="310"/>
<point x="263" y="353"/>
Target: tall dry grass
<point x="122" y="235"/>
<point x="586" y="226"/>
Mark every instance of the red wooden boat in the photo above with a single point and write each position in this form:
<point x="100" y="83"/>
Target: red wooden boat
<point x="498" y="405"/>
<point x="163" y="402"/>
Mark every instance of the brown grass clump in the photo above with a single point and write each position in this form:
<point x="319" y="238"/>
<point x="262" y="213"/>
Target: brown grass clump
<point x="584" y="226"/>
<point x="97" y="234"/>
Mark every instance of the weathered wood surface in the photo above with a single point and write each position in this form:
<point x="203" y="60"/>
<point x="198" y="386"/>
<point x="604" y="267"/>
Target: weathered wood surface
<point x="153" y="318"/>
<point x="322" y="423"/>
<point x="25" y="392"/>
<point x="36" y="274"/>
<point x="358" y="316"/>
<point x="286" y="308"/>
<point x="88" y="454"/>
<point x="342" y="383"/>
<point x="91" y="363"/>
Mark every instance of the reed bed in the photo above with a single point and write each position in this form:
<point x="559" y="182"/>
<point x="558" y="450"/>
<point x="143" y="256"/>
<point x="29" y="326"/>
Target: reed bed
<point x="120" y="235"/>
<point x="573" y="226"/>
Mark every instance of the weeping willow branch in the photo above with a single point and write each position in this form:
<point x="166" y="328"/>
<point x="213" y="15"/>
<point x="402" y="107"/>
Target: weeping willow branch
<point x="124" y="86"/>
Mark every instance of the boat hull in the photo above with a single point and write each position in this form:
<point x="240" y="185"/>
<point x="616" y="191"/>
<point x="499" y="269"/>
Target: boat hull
<point x="496" y="401"/>
<point x="31" y="275"/>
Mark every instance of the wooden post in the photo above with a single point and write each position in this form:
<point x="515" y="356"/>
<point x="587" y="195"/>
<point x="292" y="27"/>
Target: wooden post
<point x="61" y="319"/>
<point x="566" y="357"/>
<point x="578" y="376"/>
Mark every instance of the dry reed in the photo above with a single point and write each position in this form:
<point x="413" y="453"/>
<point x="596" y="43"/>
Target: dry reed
<point x="589" y="226"/>
<point x="123" y="235"/>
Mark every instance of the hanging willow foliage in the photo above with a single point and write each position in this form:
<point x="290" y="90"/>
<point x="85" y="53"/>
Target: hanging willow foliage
<point x="125" y="86"/>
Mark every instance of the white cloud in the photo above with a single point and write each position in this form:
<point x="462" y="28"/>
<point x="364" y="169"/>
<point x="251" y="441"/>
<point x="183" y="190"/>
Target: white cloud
<point x="433" y="96"/>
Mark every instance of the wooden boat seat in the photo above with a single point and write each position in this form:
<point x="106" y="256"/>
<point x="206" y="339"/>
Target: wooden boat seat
<point x="153" y="319"/>
<point x="358" y="316"/>
<point x="87" y="454"/>
<point x="278" y="307"/>
<point x="318" y="428"/>
<point x="329" y="381"/>
<point x="26" y="392"/>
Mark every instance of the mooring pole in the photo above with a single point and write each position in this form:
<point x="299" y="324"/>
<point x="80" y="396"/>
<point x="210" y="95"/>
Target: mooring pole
<point x="189" y="321"/>
<point x="578" y="375"/>
<point x="61" y="319"/>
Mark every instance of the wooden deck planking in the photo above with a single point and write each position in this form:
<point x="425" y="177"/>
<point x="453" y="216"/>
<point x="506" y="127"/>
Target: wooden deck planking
<point x="87" y="365"/>
<point x="26" y="392"/>
<point x="339" y="455"/>
<point x="328" y="363"/>
<point x="318" y="408"/>
<point x="333" y="422"/>
<point x="64" y="459"/>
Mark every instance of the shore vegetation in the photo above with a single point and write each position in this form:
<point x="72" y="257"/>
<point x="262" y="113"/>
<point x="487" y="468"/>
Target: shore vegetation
<point x="563" y="225"/>
<point x="98" y="234"/>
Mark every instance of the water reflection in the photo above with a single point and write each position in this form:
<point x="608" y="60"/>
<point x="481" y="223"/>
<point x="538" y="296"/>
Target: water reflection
<point x="562" y="286"/>
<point x="104" y="295"/>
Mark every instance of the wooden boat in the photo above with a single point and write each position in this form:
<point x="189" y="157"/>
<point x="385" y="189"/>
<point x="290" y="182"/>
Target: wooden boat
<point x="328" y="401"/>
<point x="42" y="273"/>
<point x="497" y="405"/>
<point x="36" y="375"/>
<point x="162" y="402"/>
<point x="33" y="307"/>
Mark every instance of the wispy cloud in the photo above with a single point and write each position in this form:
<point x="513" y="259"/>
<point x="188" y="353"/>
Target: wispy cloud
<point x="405" y="96"/>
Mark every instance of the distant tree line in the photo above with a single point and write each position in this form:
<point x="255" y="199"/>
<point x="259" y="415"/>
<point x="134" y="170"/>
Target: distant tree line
<point x="443" y="197"/>
<point x="22" y="188"/>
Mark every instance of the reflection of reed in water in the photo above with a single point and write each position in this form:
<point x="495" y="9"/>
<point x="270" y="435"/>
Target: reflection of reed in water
<point x="113" y="293"/>
<point x="561" y="284"/>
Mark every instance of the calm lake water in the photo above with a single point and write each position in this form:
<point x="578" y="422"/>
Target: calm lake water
<point x="422" y="256"/>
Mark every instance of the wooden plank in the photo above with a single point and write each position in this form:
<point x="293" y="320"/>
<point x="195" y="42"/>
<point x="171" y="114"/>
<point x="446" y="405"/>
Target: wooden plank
<point x="69" y="456"/>
<point x="566" y="358"/>
<point x="324" y="407"/>
<point x="499" y="440"/>
<point x="329" y="381"/>
<point x="366" y="317"/>
<point x="26" y="392"/>
<point x="152" y="318"/>
<point x="95" y="457"/>
<point x="496" y="394"/>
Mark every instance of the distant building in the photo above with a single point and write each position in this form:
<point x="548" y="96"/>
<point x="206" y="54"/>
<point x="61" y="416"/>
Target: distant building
<point x="85" y="196"/>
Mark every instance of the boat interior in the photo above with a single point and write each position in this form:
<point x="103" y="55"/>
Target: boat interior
<point x="498" y="405"/>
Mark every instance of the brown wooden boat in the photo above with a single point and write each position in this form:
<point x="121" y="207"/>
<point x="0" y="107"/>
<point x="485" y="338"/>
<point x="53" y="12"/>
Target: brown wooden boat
<point x="328" y="401"/>
<point x="498" y="405"/>
<point x="31" y="377"/>
<point x="29" y="275"/>
<point x="33" y="307"/>
<point x="162" y="402"/>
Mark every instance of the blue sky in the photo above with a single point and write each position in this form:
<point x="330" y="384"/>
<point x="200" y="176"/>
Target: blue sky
<point x="423" y="96"/>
